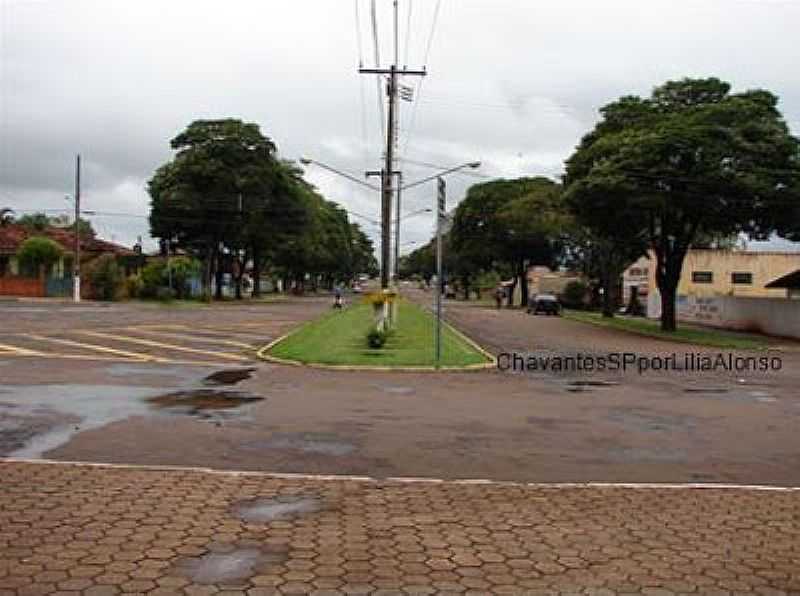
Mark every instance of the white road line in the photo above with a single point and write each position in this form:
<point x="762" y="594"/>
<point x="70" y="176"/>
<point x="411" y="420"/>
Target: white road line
<point x="97" y="348"/>
<point x="411" y="480"/>
<point x="21" y="351"/>
<point x="156" y="344"/>
<point x="190" y="337"/>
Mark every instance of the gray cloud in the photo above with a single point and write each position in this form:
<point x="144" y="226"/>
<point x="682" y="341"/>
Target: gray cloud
<point x="513" y="83"/>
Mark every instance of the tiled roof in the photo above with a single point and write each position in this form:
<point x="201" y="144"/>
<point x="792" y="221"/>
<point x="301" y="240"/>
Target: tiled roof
<point x="13" y="235"/>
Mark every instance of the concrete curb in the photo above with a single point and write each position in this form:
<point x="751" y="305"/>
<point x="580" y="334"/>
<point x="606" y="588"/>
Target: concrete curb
<point x="406" y="480"/>
<point x="492" y="361"/>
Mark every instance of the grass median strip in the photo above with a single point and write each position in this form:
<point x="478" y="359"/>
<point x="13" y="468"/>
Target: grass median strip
<point x="339" y="338"/>
<point x="691" y="334"/>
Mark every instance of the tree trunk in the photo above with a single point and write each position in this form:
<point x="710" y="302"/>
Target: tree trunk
<point x="218" y="275"/>
<point x="207" y="273"/>
<point x="256" y="272"/>
<point x="609" y="293"/>
<point x="510" y="297"/>
<point x="523" y="279"/>
<point x="668" y="310"/>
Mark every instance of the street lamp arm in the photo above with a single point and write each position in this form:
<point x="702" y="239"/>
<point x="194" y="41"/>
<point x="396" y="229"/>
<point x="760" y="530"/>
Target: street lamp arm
<point x="472" y="164"/>
<point x="307" y="161"/>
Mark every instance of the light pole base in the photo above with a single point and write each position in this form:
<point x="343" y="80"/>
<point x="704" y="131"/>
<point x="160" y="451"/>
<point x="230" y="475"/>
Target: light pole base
<point x="76" y="288"/>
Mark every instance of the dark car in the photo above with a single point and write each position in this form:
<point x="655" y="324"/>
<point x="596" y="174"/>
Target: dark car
<point x="545" y="304"/>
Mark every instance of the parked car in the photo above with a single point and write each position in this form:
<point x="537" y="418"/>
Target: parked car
<point x="546" y="304"/>
<point x="357" y="289"/>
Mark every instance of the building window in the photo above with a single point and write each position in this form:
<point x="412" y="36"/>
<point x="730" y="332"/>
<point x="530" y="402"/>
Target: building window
<point x="742" y="278"/>
<point x="635" y="272"/>
<point x="702" y="277"/>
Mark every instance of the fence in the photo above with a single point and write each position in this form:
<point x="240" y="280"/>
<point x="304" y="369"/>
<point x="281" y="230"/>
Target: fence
<point x="22" y="286"/>
<point x="773" y="316"/>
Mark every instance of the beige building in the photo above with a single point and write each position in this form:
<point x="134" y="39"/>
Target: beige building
<point x="728" y="289"/>
<point x="715" y="272"/>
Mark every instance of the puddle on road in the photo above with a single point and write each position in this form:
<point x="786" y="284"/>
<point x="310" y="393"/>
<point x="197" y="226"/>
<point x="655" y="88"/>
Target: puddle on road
<point x="706" y="390"/>
<point x="321" y="443"/>
<point x="197" y="401"/>
<point x="229" y="376"/>
<point x="263" y="510"/>
<point x="586" y="385"/>
<point x="227" y="568"/>
<point x="396" y="389"/>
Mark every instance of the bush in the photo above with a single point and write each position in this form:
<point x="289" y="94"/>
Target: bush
<point x="133" y="286"/>
<point x="151" y="279"/>
<point x="376" y="338"/>
<point x="574" y="295"/>
<point x="106" y="278"/>
<point x="38" y="254"/>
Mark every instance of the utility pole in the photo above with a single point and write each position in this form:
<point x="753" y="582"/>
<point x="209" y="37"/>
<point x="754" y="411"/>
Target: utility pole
<point x="76" y="266"/>
<point x="386" y="179"/>
<point x="399" y="174"/>
<point x="397" y="228"/>
<point x="440" y="214"/>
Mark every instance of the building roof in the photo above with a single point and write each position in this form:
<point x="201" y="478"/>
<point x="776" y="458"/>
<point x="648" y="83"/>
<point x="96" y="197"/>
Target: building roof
<point x="790" y="281"/>
<point x="13" y="235"/>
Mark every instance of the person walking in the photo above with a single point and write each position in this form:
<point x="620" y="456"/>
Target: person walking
<point x="337" y="301"/>
<point x="499" y="294"/>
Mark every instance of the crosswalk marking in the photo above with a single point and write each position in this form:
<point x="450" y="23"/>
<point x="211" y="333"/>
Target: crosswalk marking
<point x="97" y="348"/>
<point x="190" y="337"/>
<point x="17" y="350"/>
<point x="156" y="344"/>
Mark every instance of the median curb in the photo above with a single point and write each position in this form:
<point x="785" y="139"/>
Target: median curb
<point x="492" y="361"/>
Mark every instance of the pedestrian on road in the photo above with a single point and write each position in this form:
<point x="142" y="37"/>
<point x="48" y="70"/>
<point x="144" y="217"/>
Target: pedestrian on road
<point x="498" y="296"/>
<point x="337" y="301"/>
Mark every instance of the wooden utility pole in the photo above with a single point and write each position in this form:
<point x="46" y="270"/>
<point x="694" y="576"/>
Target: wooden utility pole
<point x="386" y="179"/>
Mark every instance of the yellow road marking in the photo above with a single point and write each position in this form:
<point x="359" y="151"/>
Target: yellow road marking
<point x="22" y="351"/>
<point x="212" y="332"/>
<point x="227" y="342"/>
<point x="96" y="348"/>
<point x="111" y="359"/>
<point x="156" y="344"/>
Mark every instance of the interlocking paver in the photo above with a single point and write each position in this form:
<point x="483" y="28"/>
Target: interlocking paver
<point x="96" y="530"/>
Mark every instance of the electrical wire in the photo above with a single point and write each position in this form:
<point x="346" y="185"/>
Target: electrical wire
<point x="362" y="94"/>
<point x="413" y="119"/>
<point x="377" y="56"/>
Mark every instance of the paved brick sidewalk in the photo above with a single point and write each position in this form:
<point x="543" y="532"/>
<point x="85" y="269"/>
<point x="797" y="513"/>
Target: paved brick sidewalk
<point x="72" y="529"/>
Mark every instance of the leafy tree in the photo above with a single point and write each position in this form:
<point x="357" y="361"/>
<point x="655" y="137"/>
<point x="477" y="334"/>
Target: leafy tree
<point x="514" y="222"/>
<point x="199" y="197"/>
<point x="39" y="254"/>
<point x="691" y="161"/>
<point x="37" y="222"/>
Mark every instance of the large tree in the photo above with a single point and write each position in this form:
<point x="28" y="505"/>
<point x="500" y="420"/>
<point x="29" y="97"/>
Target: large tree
<point x="6" y="216"/>
<point x="513" y="222"/>
<point x="220" y="185"/>
<point x="692" y="161"/>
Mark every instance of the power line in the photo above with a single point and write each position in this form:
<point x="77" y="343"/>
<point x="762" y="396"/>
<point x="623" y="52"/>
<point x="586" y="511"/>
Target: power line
<point x="408" y="33"/>
<point x="420" y="86"/>
<point x="362" y="95"/>
<point x="377" y="56"/>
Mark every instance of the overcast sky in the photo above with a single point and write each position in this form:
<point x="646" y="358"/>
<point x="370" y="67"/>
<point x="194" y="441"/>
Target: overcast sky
<point x="514" y="84"/>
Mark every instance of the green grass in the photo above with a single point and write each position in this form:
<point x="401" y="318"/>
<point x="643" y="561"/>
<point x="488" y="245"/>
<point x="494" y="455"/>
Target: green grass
<point x="340" y="337"/>
<point x="686" y="333"/>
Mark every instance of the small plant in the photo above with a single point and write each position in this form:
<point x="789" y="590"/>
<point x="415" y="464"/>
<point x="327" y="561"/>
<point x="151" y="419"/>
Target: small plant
<point x="106" y="278"/>
<point x="376" y="338"/>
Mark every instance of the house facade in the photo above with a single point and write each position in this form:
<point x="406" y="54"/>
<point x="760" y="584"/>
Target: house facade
<point x="15" y="281"/>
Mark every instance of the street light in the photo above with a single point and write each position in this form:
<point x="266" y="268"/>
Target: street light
<point x="417" y="212"/>
<point x="471" y="164"/>
<point x="308" y="161"/>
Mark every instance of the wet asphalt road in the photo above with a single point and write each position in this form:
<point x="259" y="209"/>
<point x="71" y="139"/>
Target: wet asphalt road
<point x="161" y="408"/>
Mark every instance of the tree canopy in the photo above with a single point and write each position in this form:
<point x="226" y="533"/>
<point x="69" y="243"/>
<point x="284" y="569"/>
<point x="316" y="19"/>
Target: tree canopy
<point x="692" y="161"/>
